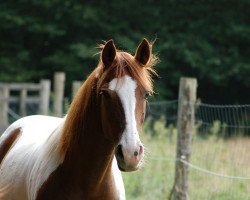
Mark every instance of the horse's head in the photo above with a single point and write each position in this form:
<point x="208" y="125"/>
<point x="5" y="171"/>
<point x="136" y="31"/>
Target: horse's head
<point x="124" y="83"/>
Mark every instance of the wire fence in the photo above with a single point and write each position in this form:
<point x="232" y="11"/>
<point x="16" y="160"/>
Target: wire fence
<point x="230" y="120"/>
<point x="220" y="158"/>
<point x="200" y="169"/>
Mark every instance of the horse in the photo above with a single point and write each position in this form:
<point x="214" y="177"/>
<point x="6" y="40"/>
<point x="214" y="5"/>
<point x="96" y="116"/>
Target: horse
<point x="81" y="155"/>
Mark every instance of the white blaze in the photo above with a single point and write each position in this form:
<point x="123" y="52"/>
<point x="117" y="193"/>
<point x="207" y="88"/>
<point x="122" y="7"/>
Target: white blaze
<point x="126" y="92"/>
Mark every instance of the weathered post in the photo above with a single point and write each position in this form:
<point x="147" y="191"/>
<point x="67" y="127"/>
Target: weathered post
<point x="4" y="106"/>
<point x="59" y="80"/>
<point x="185" y="125"/>
<point x="75" y="87"/>
<point x="22" y="102"/>
<point x="44" y="97"/>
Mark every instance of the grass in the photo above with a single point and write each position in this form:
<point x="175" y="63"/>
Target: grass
<point x="155" y="180"/>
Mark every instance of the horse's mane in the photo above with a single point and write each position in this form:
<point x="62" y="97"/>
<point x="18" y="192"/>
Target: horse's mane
<point x="79" y="110"/>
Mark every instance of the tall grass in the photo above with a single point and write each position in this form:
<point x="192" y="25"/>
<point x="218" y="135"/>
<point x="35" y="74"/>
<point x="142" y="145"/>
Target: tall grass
<point x="155" y="180"/>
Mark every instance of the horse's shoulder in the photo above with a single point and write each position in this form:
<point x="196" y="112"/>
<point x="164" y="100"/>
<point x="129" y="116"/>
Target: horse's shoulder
<point x="36" y="128"/>
<point x="35" y="131"/>
<point x="35" y="120"/>
<point x="33" y="152"/>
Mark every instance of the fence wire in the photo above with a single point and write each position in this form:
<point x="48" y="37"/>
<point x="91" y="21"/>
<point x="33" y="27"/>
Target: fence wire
<point x="198" y="168"/>
<point x="220" y="146"/>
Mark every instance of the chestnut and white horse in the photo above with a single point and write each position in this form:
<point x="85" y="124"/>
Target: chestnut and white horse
<point x="79" y="156"/>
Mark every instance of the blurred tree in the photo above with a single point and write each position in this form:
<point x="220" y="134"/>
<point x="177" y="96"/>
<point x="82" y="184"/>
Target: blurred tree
<point x="206" y="39"/>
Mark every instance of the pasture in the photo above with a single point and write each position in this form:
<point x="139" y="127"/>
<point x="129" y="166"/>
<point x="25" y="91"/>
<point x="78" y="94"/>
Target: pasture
<point x="155" y="179"/>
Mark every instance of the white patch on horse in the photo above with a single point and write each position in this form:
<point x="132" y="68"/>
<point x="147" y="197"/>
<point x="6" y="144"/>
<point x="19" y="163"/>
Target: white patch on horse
<point x="118" y="180"/>
<point x="126" y="92"/>
<point x="33" y="158"/>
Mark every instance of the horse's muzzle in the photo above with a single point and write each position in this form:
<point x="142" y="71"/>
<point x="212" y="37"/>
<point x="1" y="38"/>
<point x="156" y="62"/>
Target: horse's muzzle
<point x="127" y="159"/>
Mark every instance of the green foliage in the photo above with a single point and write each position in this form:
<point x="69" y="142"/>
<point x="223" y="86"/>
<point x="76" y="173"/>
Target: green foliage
<point x="157" y="128"/>
<point x="160" y="126"/>
<point x="215" y="129"/>
<point x="205" y="39"/>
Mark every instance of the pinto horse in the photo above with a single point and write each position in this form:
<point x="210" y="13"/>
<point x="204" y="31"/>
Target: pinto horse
<point x="79" y="156"/>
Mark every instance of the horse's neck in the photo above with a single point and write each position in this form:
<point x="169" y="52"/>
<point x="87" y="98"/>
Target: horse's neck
<point x="91" y="171"/>
<point x="86" y="172"/>
<point x="92" y="154"/>
<point x="89" y="159"/>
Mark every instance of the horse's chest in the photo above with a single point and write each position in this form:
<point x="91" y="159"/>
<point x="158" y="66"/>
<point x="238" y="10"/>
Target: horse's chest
<point x="76" y="193"/>
<point x="64" y="186"/>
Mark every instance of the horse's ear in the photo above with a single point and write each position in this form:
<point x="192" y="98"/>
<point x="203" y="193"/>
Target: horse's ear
<point x="143" y="52"/>
<point x="108" y="54"/>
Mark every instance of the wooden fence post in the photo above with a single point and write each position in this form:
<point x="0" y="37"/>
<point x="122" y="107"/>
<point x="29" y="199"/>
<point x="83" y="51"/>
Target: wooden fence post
<point x="4" y="106"/>
<point x="185" y="125"/>
<point x="22" y="102"/>
<point x="75" y="87"/>
<point x="59" y="80"/>
<point x="44" y="97"/>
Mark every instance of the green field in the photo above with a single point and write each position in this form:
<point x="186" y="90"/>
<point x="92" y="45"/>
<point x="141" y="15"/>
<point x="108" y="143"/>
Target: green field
<point x="155" y="180"/>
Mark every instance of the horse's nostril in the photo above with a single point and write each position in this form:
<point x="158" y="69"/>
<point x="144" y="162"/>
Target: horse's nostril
<point x="119" y="151"/>
<point x="139" y="151"/>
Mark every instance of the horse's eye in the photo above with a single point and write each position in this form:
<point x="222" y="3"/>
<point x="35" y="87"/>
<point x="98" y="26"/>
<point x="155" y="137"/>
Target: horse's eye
<point x="105" y="93"/>
<point x="146" y="95"/>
